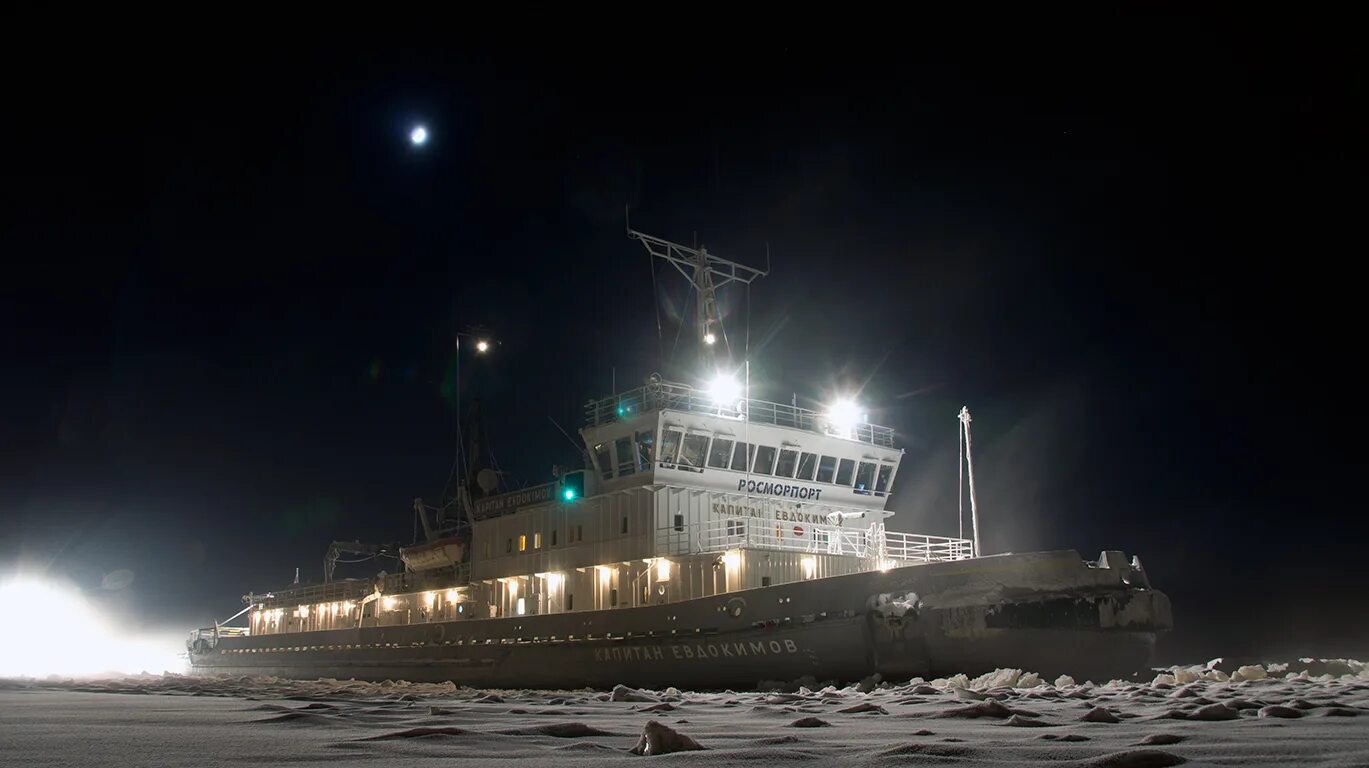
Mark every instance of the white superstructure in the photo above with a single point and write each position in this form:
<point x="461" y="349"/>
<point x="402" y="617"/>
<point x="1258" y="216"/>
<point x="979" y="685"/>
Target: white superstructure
<point x="687" y="493"/>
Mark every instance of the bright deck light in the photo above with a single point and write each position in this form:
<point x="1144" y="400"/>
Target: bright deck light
<point x="662" y="569"/>
<point x="845" y="414"/>
<point x="418" y="136"/>
<point x="709" y="338"/>
<point x="482" y="346"/>
<point x="724" y="389"/>
<point x="732" y="559"/>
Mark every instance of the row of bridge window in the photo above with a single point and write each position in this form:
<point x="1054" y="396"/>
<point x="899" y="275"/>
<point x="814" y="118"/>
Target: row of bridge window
<point x="631" y="454"/>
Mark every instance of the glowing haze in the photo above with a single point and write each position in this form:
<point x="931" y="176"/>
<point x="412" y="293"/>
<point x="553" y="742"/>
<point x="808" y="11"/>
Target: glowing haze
<point x="57" y="632"/>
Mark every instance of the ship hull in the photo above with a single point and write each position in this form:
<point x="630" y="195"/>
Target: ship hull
<point x="1047" y="612"/>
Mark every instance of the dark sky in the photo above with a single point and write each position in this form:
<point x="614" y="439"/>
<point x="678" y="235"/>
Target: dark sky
<point x="231" y="289"/>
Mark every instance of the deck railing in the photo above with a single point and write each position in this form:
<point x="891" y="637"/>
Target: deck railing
<point x="682" y="397"/>
<point x="354" y="589"/>
<point x="875" y="543"/>
<point x="924" y="549"/>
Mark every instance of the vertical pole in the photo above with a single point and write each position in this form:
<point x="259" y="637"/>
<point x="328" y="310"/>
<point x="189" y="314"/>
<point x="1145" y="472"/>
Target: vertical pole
<point x="960" y="477"/>
<point x="460" y="436"/>
<point x="969" y="469"/>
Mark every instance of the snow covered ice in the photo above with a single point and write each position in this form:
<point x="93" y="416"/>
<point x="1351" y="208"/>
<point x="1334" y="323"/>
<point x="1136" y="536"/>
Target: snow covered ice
<point x="1307" y="712"/>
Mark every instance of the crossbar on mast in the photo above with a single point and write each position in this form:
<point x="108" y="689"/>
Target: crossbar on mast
<point x="687" y="260"/>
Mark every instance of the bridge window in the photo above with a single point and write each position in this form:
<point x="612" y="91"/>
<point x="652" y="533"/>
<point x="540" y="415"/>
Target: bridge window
<point x="579" y="532"/>
<point x="553" y="537"/>
<point x="785" y="467"/>
<point x="742" y="456"/>
<point x="626" y="465"/>
<point x="693" y="450"/>
<point x="886" y="471"/>
<point x="646" y="442"/>
<point x="807" y="463"/>
<point x="865" y="477"/>
<point x="537" y="540"/>
<point x="736" y="527"/>
<point x="679" y="523"/>
<point x="670" y="445"/>
<point x="826" y="466"/>
<point x="508" y="546"/>
<point x="765" y="460"/>
<point x="844" y="471"/>
<point x="721" y="453"/>
<point x="601" y="458"/>
<point x="522" y="542"/>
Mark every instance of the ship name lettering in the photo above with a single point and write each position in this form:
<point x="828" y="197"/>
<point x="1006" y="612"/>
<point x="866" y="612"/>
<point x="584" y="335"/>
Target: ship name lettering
<point x="785" y="515"/>
<point x="779" y="489"/>
<point x="697" y="651"/>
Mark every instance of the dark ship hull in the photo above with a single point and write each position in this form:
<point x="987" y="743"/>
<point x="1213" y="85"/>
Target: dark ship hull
<point x="1049" y="612"/>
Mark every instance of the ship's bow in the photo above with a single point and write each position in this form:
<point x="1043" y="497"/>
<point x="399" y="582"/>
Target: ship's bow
<point x="1049" y="612"/>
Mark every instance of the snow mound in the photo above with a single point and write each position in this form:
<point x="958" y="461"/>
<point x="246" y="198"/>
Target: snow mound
<point x="658" y="739"/>
<point x="999" y="678"/>
<point x="1249" y="672"/>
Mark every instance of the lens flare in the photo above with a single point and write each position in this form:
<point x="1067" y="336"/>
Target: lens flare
<point x="724" y="390"/>
<point x="845" y="414"/>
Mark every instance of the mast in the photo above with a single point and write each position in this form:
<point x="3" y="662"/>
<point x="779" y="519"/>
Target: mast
<point x="969" y="469"/>
<point x="706" y="273"/>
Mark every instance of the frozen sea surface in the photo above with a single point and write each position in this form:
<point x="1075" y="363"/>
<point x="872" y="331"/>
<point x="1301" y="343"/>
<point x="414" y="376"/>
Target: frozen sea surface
<point x="1189" y="715"/>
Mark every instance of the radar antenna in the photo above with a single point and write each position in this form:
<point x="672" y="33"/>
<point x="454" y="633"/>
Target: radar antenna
<point x="706" y="272"/>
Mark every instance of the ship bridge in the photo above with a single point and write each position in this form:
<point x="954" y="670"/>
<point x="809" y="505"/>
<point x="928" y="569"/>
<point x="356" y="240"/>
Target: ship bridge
<point x="665" y="433"/>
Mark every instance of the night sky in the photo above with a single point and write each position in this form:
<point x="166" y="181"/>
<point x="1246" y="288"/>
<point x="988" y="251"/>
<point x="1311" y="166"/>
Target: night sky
<point x="231" y="290"/>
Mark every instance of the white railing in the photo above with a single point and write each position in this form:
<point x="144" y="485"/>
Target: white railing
<point x="722" y="534"/>
<point x="924" y="549"/>
<point x="682" y="397"/>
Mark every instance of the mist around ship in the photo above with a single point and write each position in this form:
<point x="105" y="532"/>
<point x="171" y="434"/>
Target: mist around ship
<point x="235" y="275"/>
